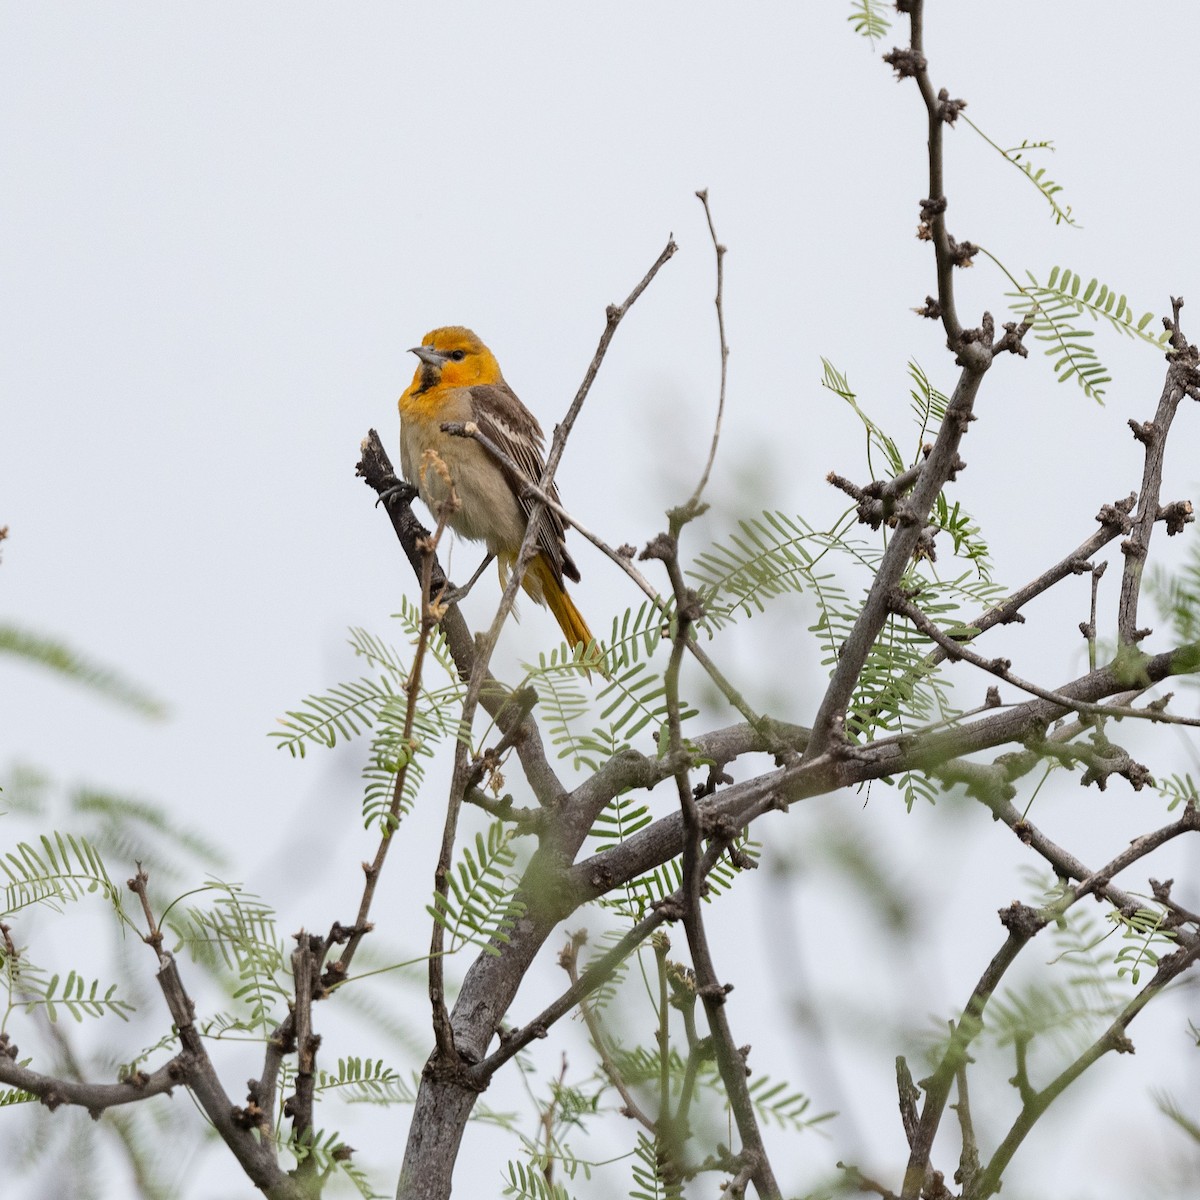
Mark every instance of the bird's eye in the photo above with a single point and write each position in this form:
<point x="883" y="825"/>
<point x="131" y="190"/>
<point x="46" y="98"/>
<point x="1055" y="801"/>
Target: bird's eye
<point x="458" y="355"/>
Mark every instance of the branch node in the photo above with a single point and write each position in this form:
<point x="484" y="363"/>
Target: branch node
<point x="948" y="109"/>
<point x="662" y="546"/>
<point x="1020" y="920"/>
<point x="1177" y="514"/>
<point x="906" y="63"/>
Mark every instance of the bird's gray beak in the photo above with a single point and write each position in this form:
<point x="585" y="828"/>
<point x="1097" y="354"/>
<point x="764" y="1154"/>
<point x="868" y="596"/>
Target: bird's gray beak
<point x="428" y="355"/>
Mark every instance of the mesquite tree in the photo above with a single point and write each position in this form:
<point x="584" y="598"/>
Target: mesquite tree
<point x="549" y="846"/>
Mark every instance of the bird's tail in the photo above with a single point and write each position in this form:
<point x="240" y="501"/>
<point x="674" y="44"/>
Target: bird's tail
<point x="539" y="581"/>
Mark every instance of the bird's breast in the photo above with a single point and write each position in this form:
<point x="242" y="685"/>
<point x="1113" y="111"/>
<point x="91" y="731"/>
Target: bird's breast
<point x="488" y="511"/>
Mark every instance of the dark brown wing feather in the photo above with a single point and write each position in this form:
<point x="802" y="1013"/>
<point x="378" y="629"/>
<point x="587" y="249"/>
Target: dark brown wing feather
<point x="504" y="420"/>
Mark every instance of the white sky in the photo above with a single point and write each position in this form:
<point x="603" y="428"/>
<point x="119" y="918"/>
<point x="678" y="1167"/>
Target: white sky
<point x="223" y="225"/>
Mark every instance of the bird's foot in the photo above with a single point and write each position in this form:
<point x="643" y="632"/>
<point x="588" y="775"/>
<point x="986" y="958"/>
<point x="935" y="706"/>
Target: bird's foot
<point x="453" y="595"/>
<point x="403" y="492"/>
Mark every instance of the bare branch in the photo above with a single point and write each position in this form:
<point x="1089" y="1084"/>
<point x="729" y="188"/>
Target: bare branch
<point x="743" y="802"/>
<point x="937" y="1086"/>
<point x="569" y="961"/>
<point x="257" y="1158"/>
<point x="719" y="249"/>
<point x="1183" y="379"/>
<point x="731" y="1060"/>
<point x="941" y="111"/>
<point x="1001" y="669"/>
<point x="306" y="970"/>
<point x="1075" y="563"/>
<point x="95" y="1097"/>
<point x="1024" y="923"/>
<point x="1114" y="1038"/>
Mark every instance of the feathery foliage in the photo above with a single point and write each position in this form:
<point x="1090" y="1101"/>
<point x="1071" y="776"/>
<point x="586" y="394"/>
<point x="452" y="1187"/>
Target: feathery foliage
<point x="348" y="709"/>
<point x="60" y="869"/>
<point x="869" y="18"/>
<point x="530" y="1183"/>
<point x="648" y="1174"/>
<point x="343" y="712"/>
<point x="1171" y="1108"/>
<point x="633" y="698"/>
<point x="1176" y="595"/>
<point x="74" y="993"/>
<point x="237" y="933"/>
<point x="1177" y="789"/>
<point x="768" y="557"/>
<point x="640" y="631"/>
<point x="379" y="703"/>
<point x="328" y="1154"/>
<point x="365" y="1081"/>
<point x="480" y="907"/>
<point x="1051" y="311"/>
<point x="1141" y="932"/>
<point x="58" y="657"/>
<point x="1020" y="158"/>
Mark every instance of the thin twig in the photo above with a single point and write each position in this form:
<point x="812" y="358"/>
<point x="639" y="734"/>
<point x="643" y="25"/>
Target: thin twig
<point x="569" y="960"/>
<point x="937" y="1086"/>
<point x="1010" y="607"/>
<point x="622" y="558"/>
<point x="306" y="969"/>
<point x="731" y="1060"/>
<point x="442" y="1029"/>
<point x="597" y="974"/>
<point x="719" y="250"/>
<point x="945" y="249"/>
<point x="1001" y="669"/>
<point x="968" y="1159"/>
<point x="257" y="1158"/>
<point x="1182" y="379"/>
<point x="1112" y="1039"/>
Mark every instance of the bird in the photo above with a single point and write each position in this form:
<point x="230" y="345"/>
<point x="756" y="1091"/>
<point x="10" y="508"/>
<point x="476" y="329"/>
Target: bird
<point x="459" y="380"/>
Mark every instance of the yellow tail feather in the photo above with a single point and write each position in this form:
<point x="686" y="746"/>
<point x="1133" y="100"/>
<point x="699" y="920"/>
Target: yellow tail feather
<point x="540" y="583"/>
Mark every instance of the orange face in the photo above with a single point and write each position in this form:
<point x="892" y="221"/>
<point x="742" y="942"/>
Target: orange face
<point x="453" y="357"/>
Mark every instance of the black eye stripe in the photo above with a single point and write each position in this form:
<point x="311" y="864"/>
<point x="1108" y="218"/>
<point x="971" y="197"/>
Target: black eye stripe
<point x="458" y="355"/>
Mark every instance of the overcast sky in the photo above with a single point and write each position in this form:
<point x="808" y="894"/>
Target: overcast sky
<point x="224" y="224"/>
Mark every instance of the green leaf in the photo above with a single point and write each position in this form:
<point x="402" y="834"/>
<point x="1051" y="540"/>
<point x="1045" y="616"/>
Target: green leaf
<point x="480" y="906"/>
<point x="60" y="658"/>
<point x="1052" y="310"/>
<point x="63" y="868"/>
<point x="869" y="19"/>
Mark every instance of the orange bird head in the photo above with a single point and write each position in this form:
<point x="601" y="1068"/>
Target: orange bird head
<point x="454" y="357"/>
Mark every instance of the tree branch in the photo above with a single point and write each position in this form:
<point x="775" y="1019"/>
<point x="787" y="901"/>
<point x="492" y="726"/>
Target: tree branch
<point x="720" y="251"/>
<point x="95" y="1097"/>
<point x="1183" y="379"/>
<point x="940" y="110"/>
<point x="256" y="1158"/>
<point x="912" y="512"/>
<point x="731" y="1060"/>
<point x="1113" y="1038"/>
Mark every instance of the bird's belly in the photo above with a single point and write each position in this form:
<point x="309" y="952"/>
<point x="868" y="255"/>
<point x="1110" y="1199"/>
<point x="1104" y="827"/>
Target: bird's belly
<point x="488" y="511"/>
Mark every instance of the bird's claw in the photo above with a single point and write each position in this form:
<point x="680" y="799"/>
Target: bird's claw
<point x="398" y="491"/>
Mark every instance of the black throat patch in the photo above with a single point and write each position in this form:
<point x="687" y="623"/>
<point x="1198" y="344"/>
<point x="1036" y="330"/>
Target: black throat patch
<point x="429" y="377"/>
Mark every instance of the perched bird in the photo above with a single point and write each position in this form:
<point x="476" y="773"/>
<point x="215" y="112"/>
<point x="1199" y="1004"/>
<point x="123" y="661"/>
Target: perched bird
<point x="459" y="379"/>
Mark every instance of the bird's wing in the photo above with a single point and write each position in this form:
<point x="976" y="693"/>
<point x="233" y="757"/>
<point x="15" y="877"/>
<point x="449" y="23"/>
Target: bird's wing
<point x="504" y="420"/>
